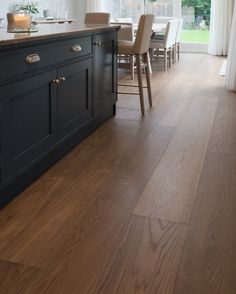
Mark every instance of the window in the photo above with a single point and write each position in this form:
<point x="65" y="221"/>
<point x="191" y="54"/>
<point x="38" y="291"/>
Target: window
<point x="130" y="10"/>
<point x="195" y="13"/>
<point x="121" y="10"/>
<point x="196" y="16"/>
<point x="160" y="8"/>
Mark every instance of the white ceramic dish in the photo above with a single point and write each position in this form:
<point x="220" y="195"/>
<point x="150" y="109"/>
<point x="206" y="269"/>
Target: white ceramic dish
<point x="1" y="22"/>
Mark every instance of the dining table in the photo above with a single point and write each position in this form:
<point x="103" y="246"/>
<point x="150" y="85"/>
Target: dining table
<point x="54" y="21"/>
<point x="157" y="28"/>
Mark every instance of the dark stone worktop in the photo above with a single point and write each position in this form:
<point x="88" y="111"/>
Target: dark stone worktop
<point x="49" y="31"/>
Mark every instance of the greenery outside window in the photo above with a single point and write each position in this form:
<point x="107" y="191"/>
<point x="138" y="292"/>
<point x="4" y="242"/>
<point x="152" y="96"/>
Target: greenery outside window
<point x="196" y="16"/>
<point x="195" y="13"/>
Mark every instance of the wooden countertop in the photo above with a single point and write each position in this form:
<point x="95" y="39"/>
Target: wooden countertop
<point x="48" y="31"/>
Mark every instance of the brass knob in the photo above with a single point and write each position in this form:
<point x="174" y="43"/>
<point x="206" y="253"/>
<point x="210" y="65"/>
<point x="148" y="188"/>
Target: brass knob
<point x="76" y="48"/>
<point x="98" y="43"/>
<point x="62" y="79"/>
<point x="32" y="58"/>
<point x="56" y="81"/>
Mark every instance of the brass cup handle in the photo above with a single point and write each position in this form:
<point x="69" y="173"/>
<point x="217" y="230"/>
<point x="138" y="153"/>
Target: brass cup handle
<point x="98" y="43"/>
<point x="56" y="81"/>
<point x="62" y="79"/>
<point x="32" y="58"/>
<point x="76" y="48"/>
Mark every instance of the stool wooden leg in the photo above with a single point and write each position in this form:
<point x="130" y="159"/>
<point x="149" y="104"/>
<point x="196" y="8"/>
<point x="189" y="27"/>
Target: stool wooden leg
<point x="170" y="57"/>
<point x="132" y="66"/>
<point x="140" y="82"/>
<point x="159" y="53"/>
<point x="165" y="59"/>
<point x="149" y="66"/>
<point x="151" y="52"/>
<point x="178" y="50"/>
<point x="147" y="72"/>
<point x="174" y="53"/>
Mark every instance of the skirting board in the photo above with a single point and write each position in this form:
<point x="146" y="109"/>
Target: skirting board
<point x="222" y="71"/>
<point x="193" y="48"/>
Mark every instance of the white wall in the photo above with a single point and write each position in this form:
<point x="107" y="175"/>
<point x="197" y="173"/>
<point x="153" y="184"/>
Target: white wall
<point x="57" y="7"/>
<point x="80" y="8"/>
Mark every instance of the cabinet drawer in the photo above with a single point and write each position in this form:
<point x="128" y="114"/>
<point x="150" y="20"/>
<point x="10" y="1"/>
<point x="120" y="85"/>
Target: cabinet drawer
<point x="21" y="61"/>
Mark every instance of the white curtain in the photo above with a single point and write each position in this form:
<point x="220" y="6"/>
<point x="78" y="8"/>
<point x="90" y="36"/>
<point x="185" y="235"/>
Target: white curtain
<point x="221" y="20"/>
<point x="231" y="63"/>
<point x="96" y="5"/>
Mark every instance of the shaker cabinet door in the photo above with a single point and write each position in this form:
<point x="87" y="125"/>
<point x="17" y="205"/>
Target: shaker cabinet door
<point x="28" y="121"/>
<point x="105" y="73"/>
<point x="74" y="95"/>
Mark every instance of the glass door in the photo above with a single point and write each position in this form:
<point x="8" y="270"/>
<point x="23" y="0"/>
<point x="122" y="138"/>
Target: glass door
<point x="196" y="15"/>
<point x="160" y="8"/>
<point x="130" y="10"/>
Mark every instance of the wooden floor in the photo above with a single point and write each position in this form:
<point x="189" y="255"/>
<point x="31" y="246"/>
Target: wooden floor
<point x="143" y="205"/>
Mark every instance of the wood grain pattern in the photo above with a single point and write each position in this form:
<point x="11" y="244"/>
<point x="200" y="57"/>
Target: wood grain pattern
<point x="146" y="260"/>
<point x="209" y="259"/>
<point x="75" y="222"/>
<point x="96" y="228"/>
<point x="170" y="193"/>
<point x="14" y="278"/>
<point x="68" y="195"/>
<point x="51" y="195"/>
<point x="183" y="100"/>
<point x="223" y="137"/>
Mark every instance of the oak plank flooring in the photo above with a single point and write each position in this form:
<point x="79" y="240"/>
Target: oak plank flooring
<point x="170" y="193"/>
<point x="166" y="90"/>
<point x="76" y="222"/>
<point x="66" y="202"/>
<point x="45" y="196"/>
<point x="14" y="278"/>
<point x="176" y="111"/>
<point x="51" y="195"/>
<point x="146" y="260"/>
<point x="223" y="136"/>
<point x="208" y="264"/>
<point x="98" y="228"/>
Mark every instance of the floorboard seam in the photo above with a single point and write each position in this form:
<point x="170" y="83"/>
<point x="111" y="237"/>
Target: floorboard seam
<point x="175" y="129"/>
<point x="221" y="153"/>
<point x="21" y="264"/>
<point x="161" y="219"/>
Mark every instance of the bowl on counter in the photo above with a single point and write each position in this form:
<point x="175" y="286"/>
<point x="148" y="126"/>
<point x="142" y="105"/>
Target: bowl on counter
<point x="1" y="22"/>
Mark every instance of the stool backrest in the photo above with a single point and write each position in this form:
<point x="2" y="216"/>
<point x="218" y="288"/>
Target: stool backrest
<point x="97" y="18"/>
<point x="144" y="33"/>
<point x="179" y="31"/>
<point x="126" y="32"/>
<point x="170" y="33"/>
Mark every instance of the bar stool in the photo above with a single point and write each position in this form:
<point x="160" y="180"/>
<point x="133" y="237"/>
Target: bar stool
<point x="97" y="18"/>
<point x="139" y="48"/>
<point x="126" y="33"/>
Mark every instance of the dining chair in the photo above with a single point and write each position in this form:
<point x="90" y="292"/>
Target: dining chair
<point x="166" y="44"/>
<point x="97" y="18"/>
<point x="178" y="38"/>
<point x="139" y="49"/>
